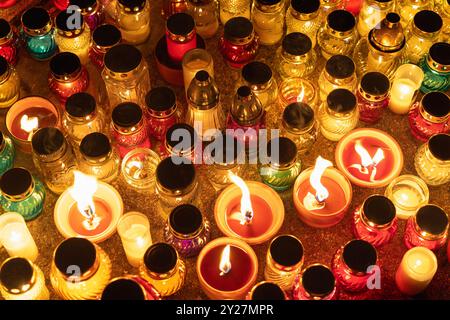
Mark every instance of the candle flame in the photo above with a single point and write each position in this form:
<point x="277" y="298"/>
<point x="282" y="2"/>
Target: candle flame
<point x="82" y="191"/>
<point x="319" y="168"/>
<point x="29" y="124"/>
<point x="301" y="94"/>
<point x="246" y="213"/>
<point x="134" y="168"/>
<point x="225" y="263"/>
<point x="368" y="162"/>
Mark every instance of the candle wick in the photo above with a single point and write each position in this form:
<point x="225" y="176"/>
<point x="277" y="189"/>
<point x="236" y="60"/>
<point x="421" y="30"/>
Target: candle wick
<point x="226" y="269"/>
<point x="248" y="217"/>
<point x="92" y="221"/>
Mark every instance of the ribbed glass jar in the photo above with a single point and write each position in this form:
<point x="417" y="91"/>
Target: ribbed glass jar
<point x="139" y="167"/>
<point x="9" y="42"/>
<point x="328" y="6"/>
<point x="315" y="282"/>
<point x="205" y="17"/>
<point x="436" y="68"/>
<point x="371" y="13"/>
<point x="133" y="20"/>
<point x="233" y="8"/>
<point x="408" y="8"/>
<point x="7" y="153"/>
<point x="180" y="141"/>
<point x="9" y="84"/>
<point x="304" y="16"/>
<point x="259" y="77"/>
<point x="372" y="96"/>
<point x="104" y="37"/>
<point x="268" y="20"/>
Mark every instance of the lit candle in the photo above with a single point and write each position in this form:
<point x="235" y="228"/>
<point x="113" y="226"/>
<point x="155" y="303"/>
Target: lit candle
<point x="134" y="231"/>
<point x="416" y="270"/>
<point x="16" y="238"/>
<point x="193" y="61"/>
<point x="407" y="81"/>
<point x="227" y="268"/>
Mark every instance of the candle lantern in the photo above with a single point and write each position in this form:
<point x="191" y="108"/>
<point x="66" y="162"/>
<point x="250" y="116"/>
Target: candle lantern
<point x="7" y="153"/>
<point x="175" y="143"/>
<point x="26" y="116"/>
<point x="138" y="168"/>
<point x="427" y="228"/>
<point x="193" y="61"/>
<point x="61" y="4"/>
<point x="234" y="8"/>
<point x="22" y="193"/>
<point x="408" y="193"/>
<point x="259" y="77"/>
<point x="176" y="182"/>
<point x="80" y="270"/>
<point x="421" y="34"/>
<point x="204" y="104"/>
<point x="171" y="7"/>
<point x="91" y="10"/>
<point x="298" y="90"/>
<point x="134" y="231"/>
<point x="430" y="116"/>
<point x="238" y="44"/>
<point x="338" y="115"/>
<point x="181" y="36"/>
<point x="436" y="67"/>
<point x="163" y="269"/>
<point x="204" y="14"/>
<point x="104" y="37"/>
<point x="443" y="9"/>
<point x="371" y="13"/>
<point x="227" y="268"/>
<point x="16" y="238"/>
<point x="38" y="33"/>
<point x="284" y="261"/>
<point x="432" y="160"/>
<point x="9" y="84"/>
<point x="129" y="128"/>
<point x="187" y="230"/>
<point x="266" y="291"/>
<point x="67" y="76"/>
<point x="405" y="86"/>
<point x="369" y="157"/>
<point x="268" y="20"/>
<point x="98" y="158"/>
<point x="53" y="158"/>
<point x="316" y="282"/>
<point x="20" y="279"/>
<point x="372" y="94"/>
<point x="322" y="195"/>
<point x="126" y="75"/>
<point x="299" y="125"/>
<point x="339" y="34"/>
<point x="415" y="272"/>
<point x="9" y="42"/>
<point x="353" y="263"/>
<point x="250" y="211"/>
<point x="282" y="165"/>
<point x="131" y="288"/>
<point x="133" y="20"/>
<point x="375" y="220"/>
<point x="161" y="112"/>
<point x="72" y="37"/>
<point x="409" y="8"/>
<point x="295" y="57"/>
<point x="339" y="73"/>
<point x="304" y="16"/>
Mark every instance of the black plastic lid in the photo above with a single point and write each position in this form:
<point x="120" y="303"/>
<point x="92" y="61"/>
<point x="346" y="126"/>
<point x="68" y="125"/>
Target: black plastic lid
<point x="436" y="104"/>
<point x="127" y="114"/>
<point x="375" y="83"/>
<point x="379" y="210"/>
<point x="185" y="219"/>
<point x="237" y="28"/>
<point x="180" y="24"/>
<point x="64" y="21"/>
<point x="160" y="99"/>
<point x="160" y="258"/>
<point x="16" y="273"/>
<point x="268" y="291"/>
<point x="298" y="115"/>
<point x="80" y="104"/>
<point x="341" y="100"/>
<point x="432" y="219"/>
<point x="341" y="20"/>
<point x="83" y="4"/>
<point x="296" y="43"/>
<point x="95" y="145"/>
<point x="175" y="176"/>
<point x="440" y="53"/>
<point x="15" y="181"/>
<point x="133" y="3"/>
<point x="35" y="18"/>
<point x="305" y="6"/>
<point x="170" y="137"/>
<point x="318" y="280"/>
<point x="106" y="35"/>
<point x="65" y="64"/>
<point x="286" y="250"/>
<point x="256" y="72"/>
<point x="3" y="66"/>
<point x="340" y="66"/>
<point x="439" y="146"/>
<point x="123" y="289"/>
<point x="5" y="28"/>
<point x="358" y="255"/>
<point x="47" y="140"/>
<point x="287" y="151"/>
<point x="428" y="21"/>
<point x="78" y="252"/>
<point x="123" y="58"/>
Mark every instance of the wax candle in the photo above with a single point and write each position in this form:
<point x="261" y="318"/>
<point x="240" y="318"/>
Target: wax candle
<point x="129" y="288"/>
<point x="193" y="61"/>
<point x="299" y="90"/>
<point x="416" y="270"/>
<point x="16" y="238"/>
<point x="407" y="81"/>
<point x="266" y="291"/>
<point x="102" y="211"/>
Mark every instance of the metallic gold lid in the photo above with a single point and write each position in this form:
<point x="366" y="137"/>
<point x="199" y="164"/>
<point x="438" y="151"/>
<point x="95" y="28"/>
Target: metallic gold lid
<point x="374" y="86"/>
<point x="62" y="25"/>
<point x="296" y="46"/>
<point x="161" y="260"/>
<point x="6" y="31"/>
<point x="186" y="221"/>
<point x="180" y="27"/>
<point x="36" y="21"/>
<point x="286" y="253"/>
<point x="238" y="30"/>
<point x="378" y="212"/>
<point x="439" y="146"/>
<point x="298" y="117"/>
<point x="175" y="177"/>
<point x="17" y="275"/>
<point x="16" y="184"/>
<point x="105" y="37"/>
<point x="95" y="147"/>
<point x="435" y="107"/>
<point x="341" y="23"/>
<point x="161" y="102"/>
<point x="388" y="35"/>
<point x="431" y="222"/>
<point x="439" y="57"/>
<point x="121" y="60"/>
<point x="318" y="281"/>
<point x="65" y="66"/>
<point x="305" y="9"/>
<point x="127" y="118"/>
<point x="427" y="23"/>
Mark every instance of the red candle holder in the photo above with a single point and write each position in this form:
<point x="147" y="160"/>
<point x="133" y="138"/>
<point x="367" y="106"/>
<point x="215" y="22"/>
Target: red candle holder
<point x="61" y="4"/>
<point x="372" y="96"/>
<point x="353" y="6"/>
<point x="383" y="157"/>
<point x="8" y="42"/>
<point x="7" y="3"/>
<point x="104" y="38"/>
<point x="180" y="36"/>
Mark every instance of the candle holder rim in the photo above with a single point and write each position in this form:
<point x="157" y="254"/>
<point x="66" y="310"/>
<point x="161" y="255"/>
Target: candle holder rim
<point x="130" y="214"/>
<point x="132" y="153"/>
<point x="421" y="249"/>
<point x="422" y="185"/>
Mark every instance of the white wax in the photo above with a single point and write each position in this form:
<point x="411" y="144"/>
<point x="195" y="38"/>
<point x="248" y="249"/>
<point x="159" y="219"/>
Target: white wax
<point x="194" y="66"/>
<point x="401" y="96"/>
<point x="18" y="241"/>
<point x="136" y="241"/>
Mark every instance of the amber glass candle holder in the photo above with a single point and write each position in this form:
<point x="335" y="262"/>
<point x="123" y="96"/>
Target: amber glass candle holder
<point x="139" y="167"/>
<point x="259" y="77"/>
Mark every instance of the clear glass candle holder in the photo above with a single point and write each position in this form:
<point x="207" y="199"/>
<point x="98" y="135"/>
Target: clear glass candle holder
<point x="372" y="96"/>
<point x="205" y="17"/>
<point x="133" y="20"/>
<point x="268" y="20"/>
<point x="405" y="86"/>
<point x="304" y="16"/>
<point x="193" y="61"/>
<point x="371" y="13"/>
<point x="259" y="77"/>
<point x="300" y="90"/>
<point x="139" y="167"/>
<point x="234" y="8"/>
